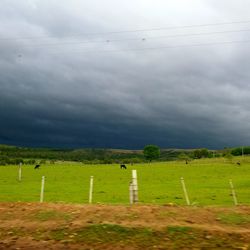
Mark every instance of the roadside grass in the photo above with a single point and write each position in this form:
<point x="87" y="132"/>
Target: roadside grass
<point x="11" y="232"/>
<point x="112" y="233"/>
<point x="117" y="237"/>
<point x="234" y="218"/>
<point x="178" y="229"/>
<point x="106" y="233"/>
<point x="48" y="215"/>
<point x="207" y="182"/>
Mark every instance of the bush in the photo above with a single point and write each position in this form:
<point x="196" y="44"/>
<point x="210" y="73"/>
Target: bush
<point x="151" y="152"/>
<point x="30" y="162"/>
<point x="238" y="151"/>
<point x="201" y="153"/>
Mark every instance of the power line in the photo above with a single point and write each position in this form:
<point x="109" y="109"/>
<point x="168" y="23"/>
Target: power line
<point x="138" y="39"/>
<point x="158" y="48"/>
<point x="131" y="31"/>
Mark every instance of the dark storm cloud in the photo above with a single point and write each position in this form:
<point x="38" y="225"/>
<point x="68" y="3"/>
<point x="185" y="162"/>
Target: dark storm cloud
<point x="55" y="91"/>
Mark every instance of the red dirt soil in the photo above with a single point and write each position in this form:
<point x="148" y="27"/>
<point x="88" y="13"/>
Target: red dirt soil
<point x="66" y="226"/>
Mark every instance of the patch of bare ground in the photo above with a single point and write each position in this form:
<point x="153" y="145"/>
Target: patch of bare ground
<point x="66" y="226"/>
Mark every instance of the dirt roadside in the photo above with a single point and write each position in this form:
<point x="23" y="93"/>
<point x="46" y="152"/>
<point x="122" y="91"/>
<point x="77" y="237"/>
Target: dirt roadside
<point x="67" y="226"/>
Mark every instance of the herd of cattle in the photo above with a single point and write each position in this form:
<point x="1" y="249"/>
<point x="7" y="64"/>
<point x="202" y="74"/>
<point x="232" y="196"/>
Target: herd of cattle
<point x="122" y="166"/>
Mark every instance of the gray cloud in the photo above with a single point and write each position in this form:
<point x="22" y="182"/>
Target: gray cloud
<point x="59" y="90"/>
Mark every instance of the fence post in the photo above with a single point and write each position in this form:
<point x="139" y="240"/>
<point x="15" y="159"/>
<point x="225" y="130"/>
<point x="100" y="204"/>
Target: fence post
<point x="20" y="172"/>
<point x="233" y="193"/>
<point x="42" y="189"/>
<point x="185" y="191"/>
<point x="131" y="193"/>
<point x="134" y="186"/>
<point x="91" y="189"/>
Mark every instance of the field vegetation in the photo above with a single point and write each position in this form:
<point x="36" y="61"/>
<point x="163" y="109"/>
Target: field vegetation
<point x="207" y="182"/>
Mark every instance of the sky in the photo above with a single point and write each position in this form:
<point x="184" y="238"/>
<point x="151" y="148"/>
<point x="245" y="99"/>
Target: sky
<point x="124" y="74"/>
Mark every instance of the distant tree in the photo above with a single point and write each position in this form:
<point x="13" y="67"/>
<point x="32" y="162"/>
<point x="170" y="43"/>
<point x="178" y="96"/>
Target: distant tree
<point x="240" y="150"/>
<point x="30" y="162"/>
<point x="107" y="160"/>
<point x="204" y="152"/>
<point x="184" y="157"/>
<point x="151" y="152"/>
<point x="236" y="151"/>
<point x="17" y="161"/>
<point x="201" y="153"/>
<point x="197" y="153"/>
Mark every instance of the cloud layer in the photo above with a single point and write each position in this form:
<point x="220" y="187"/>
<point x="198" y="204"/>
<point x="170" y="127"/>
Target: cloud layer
<point x="68" y="80"/>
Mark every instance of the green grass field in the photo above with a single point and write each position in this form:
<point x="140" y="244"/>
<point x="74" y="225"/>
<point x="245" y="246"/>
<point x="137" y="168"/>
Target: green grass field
<point x="207" y="182"/>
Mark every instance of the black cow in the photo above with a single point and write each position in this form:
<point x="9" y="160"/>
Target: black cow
<point x="37" y="166"/>
<point x="238" y="163"/>
<point x="123" y="166"/>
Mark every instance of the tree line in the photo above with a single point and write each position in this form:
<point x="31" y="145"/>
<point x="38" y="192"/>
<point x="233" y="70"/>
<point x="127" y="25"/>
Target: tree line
<point x="13" y="155"/>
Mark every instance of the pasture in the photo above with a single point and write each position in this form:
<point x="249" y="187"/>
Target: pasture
<point x="207" y="182"/>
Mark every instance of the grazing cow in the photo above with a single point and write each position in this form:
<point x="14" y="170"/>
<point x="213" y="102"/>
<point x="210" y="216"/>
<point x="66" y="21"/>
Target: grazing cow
<point x="37" y="166"/>
<point x="238" y="163"/>
<point x="123" y="166"/>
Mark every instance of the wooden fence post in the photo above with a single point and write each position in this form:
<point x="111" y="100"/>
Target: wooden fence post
<point x="20" y="172"/>
<point x="135" y="186"/>
<point x="42" y="189"/>
<point x="131" y="193"/>
<point x="233" y="193"/>
<point x="185" y="191"/>
<point x="91" y="189"/>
